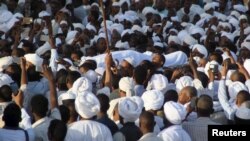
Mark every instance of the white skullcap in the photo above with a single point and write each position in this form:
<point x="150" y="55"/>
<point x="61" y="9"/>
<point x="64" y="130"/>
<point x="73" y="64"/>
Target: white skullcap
<point x="104" y="90"/>
<point x="78" y="25"/>
<point x="116" y="4"/>
<point x="202" y="49"/>
<point x="131" y="61"/>
<point x="182" y="34"/>
<point x="126" y="84"/>
<point x="190" y="40"/>
<point x="158" y="44"/>
<point x="122" y="45"/>
<point x="112" y="105"/>
<point x="156" y="39"/>
<point x="5" y="16"/>
<point x="222" y="17"/>
<point x="195" y="30"/>
<point x="91" y="27"/>
<point x="87" y="105"/>
<point x="63" y="22"/>
<point x="130" y="108"/>
<point x="240" y="8"/>
<point x="174" y="39"/>
<point x="35" y="60"/>
<point x="209" y="6"/>
<point x="243" y="17"/>
<point x="44" y="48"/>
<point x="5" y="62"/>
<point x="247" y="65"/>
<point x="147" y="10"/>
<point x="174" y="112"/>
<point x="234" y="13"/>
<point x="235" y="88"/>
<point x="117" y="27"/>
<point x="91" y="75"/>
<point x="243" y="113"/>
<point x="158" y="82"/>
<point x="43" y="14"/>
<point x="137" y="28"/>
<point x="5" y="79"/>
<point x="70" y="36"/>
<point x="153" y="99"/>
<point x="66" y="96"/>
<point x="182" y="82"/>
<point x="246" y="45"/>
<point x="81" y="85"/>
<point x="228" y="35"/>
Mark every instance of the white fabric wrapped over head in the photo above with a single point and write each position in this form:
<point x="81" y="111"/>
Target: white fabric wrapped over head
<point x="234" y="13"/>
<point x="201" y="49"/>
<point x="190" y="40"/>
<point x="240" y="8"/>
<point x="158" y="44"/>
<point x="5" y="16"/>
<point x="122" y="45"/>
<point x="70" y="36"/>
<point x="104" y="90"/>
<point x="148" y="10"/>
<point x="153" y="99"/>
<point x="126" y="84"/>
<point x="91" y="27"/>
<point x="66" y="96"/>
<point x="183" y="82"/>
<point x="5" y="79"/>
<point x="209" y="6"/>
<point x="44" y="48"/>
<point x="81" y="85"/>
<point x="174" y="39"/>
<point x="5" y="62"/>
<point x="243" y="113"/>
<point x="117" y="27"/>
<point x="228" y="35"/>
<point x="35" y="60"/>
<point x="158" y="82"/>
<point x="91" y="75"/>
<point x="79" y="25"/>
<point x="235" y="88"/>
<point x="131" y="61"/>
<point x="130" y="108"/>
<point x="174" y="112"/>
<point x="43" y="14"/>
<point x="112" y="104"/>
<point x="87" y="105"/>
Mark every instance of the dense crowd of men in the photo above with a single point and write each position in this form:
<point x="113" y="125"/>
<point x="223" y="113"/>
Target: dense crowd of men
<point x="122" y="70"/>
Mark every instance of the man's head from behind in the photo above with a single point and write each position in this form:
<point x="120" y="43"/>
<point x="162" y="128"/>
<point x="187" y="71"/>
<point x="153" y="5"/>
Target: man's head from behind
<point x="204" y="106"/>
<point x="39" y="105"/>
<point x="12" y="115"/>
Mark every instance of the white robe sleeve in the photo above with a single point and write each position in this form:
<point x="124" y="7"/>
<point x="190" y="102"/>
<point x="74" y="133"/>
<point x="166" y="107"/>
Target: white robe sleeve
<point x="222" y="95"/>
<point x="53" y="58"/>
<point x="26" y="122"/>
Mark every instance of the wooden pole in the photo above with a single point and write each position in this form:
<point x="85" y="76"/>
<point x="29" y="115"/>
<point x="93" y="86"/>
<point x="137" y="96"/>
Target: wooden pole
<point x="105" y="25"/>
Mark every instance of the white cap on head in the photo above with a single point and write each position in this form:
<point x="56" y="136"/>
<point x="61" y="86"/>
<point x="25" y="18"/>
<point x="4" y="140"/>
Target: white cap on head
<point x="126" y="84"/>
<point x="117" y="27"/>
<point x="81" y="85"/>
<point x="91" y="27"/>
<point x="137" y="28"/>
<point x="130" y="108"/>
<point x="158" y="82"/>
<point x="79" y="25"/>
<point x="122" y="45"/>
<point x="66" y="96"/>
<point x="240" y="8"/>
<point x="201" y="49"/>
<point x="5" y="62"/>
<point x="234" y="13"/>
<point x="228" y="35"/>
<point x="131" y="61"/>
<point x="116" y="4"/>
<point x="243" y="17"/>
<point x="43" y="14"/>
<point x="174" y="39"/>
<point x="174" y="112"/>
<point x="91" y="75"/>
<point x="87" y="105"/>
<point x="35" y="60"/>
<point x="5" y="79"/>
<point x="147" y="10"/>
<point x="158" y="44"/>
<point x="183" y="82"/>
<point x="112" y="104"/>
<point x="63" y="22"/>
<point x="209" y="6"/>
<point x="42" y="49"/>
<point x="153" y="99"/>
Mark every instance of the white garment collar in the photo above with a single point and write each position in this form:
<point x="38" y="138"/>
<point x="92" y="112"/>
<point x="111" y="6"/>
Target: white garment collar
<point x="40" y="121"/>
<point x="147" y="135"/>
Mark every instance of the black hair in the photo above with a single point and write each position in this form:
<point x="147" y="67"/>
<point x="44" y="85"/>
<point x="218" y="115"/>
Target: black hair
<point x="32" y="74"/>
<point x="104" y="102"/>
<point x="65" y="113"/>
<point x="72" y="77"/>
<point x="204" y="79"/>
<point x="140" y="74"/>
<point x="5" y="93"/>
<point x="147" y="118"/>
<point x="204" y="106"/>
<point x="57" y="130"/>
<point x="171" y="95"/>
<point x="39" y="105"/>
<point x="12" y="115"/>
<point x="61" y="79"/>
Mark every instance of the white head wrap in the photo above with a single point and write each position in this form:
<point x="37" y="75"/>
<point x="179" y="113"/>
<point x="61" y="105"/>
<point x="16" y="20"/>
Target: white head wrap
<point x="5" y="62"/>
<point x="202" y="49"/>
<point x="130" y="108"/>
<point x="208" y="6"/>
<point x="235" y="88"/>
<point x="174" y="39"/>
<point x="91" y="75"/>
<point x="131" y="61"/>
<point x="81" y="85"/>
<point x="87" y="105"/>
<point x="35" y="60"/>
<point x="174" y="112"/>
<point x="148" y="10"/>
<point x="240" y="8"/>
<point x="190" y="40"/>
<point x="5" y="79"/>
<point x="126" y="84"/>
<point x="158" y="44"/>
<point x="66" y="96"/>
<point x="158" y="82"/>
<point x="43" y="14"/>
<point x="112" y="104"/>
<point x="44" y="48"/>
<point x="153" y="99"/>
<point x="122" y="45"/>
<point x="78" y="25"/>
<point x="183" y="82"/>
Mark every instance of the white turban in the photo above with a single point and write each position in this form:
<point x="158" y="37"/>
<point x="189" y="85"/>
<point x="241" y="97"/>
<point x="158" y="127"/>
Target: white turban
<point x="122" y="45"/>
<point x="91" y="75"/>
<point x="240" y="8"/>
<point x="5" y="62"/>
<point x="5" y="79"/>
<point x="228" y="35"/>
<point x="104" y="90"/>
<point x="243" y="113"/>
<point x="35" y="60"/>
<point x="202" y="49"/>
<point x="43" y="14"/>
<point x="235" y="88"/>
<point x="117" y="27"/>
<point x="137" y="28"/>
<point x="158" y="82"/>
<point x="78" y="25"/>
<point x="81" y="85"/>
<point x="174" y="112"/>
<point x="209" y="6"/>
<point x="66" y="96"/>
<point x="87" y="105"/>
<point x="70" y="36"/>
<point x="91" y="27"/>
<point x="112" y="104"/>
<point x="148" y="10"/>
<point x="44" y="48"/>
<point x="183" y="82"/>
<point x="131" y="61"/>
<point x="243" y="17"/>
<point x="153" y="99"/>
<point x="234" y="13"/>
<point x="126" y="84"/>
<point x="5" y="16"/>
<point x="174" y="39"/>
<point x="158" y="44"/>
<point x="130" y="108"/>
<point x="190" y="40"/>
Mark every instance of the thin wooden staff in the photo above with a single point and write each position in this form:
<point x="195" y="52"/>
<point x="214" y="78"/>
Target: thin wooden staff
<point x="105" y="25"/>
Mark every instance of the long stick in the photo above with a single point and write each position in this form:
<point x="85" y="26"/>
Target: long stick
<point x="105" y="25"/>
